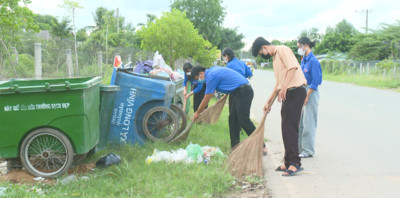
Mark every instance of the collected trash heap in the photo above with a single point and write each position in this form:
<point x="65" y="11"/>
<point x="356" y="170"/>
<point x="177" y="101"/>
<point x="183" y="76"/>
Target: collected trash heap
<point x="157" y="67"/>
<point x="193" y="153"/>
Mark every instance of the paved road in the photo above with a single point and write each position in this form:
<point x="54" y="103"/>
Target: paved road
<point x="357" y="143"/>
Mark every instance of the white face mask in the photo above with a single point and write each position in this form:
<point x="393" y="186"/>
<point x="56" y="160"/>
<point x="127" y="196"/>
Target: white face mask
<point x="188" y="73"/>
<point x="301" y="51"/>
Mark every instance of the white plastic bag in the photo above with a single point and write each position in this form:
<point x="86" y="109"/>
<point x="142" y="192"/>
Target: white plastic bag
<point x="158" y="61"/>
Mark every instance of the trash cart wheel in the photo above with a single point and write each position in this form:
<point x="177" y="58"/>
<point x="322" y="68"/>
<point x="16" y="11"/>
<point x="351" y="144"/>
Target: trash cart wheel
<point x="182" y="120"/>
<point x="46" y="152"/>
<point x="160" y="123"/>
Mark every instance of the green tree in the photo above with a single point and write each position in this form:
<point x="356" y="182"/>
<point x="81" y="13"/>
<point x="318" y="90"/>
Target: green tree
<point x="44" y="21"/>
<point x="81" y="35"/>
<point x="231" y="38"/>
<point x="174" y="36"/>
<point x="61" y="29"/>
<point x="15" y="19"/>
<point x="369" y="47"/>
<point x="98" y="17"/>
<point x="62" y="39"/>
<point x="312" y="34"/>
<point x="338" y="39"/>
<point x="390" y="34"/>
<point x="150" y="18"/>
<point x="206" y="15"/>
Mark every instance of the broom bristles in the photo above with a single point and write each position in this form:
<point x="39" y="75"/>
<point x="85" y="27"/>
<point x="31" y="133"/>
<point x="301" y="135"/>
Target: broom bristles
<point x="246" y="157"/>
<point x="211" y="114"/>
<point x="208" y="116"/>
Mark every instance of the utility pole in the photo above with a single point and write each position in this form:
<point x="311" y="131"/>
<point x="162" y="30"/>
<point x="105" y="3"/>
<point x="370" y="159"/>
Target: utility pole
<point x="366" y="18"/>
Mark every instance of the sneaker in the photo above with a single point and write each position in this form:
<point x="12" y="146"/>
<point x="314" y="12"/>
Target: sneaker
<point x="305" y="155"/>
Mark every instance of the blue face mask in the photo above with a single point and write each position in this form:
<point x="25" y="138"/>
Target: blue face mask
<point x="200" y="80"/>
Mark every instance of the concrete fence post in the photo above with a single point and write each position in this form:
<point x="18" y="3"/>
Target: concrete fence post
<point x="38" y="60"/>
<point x="100" y="62"/>
<point x="70" y="69"/>
<point x="129" y="58"/>
<point x="367" y="68"/>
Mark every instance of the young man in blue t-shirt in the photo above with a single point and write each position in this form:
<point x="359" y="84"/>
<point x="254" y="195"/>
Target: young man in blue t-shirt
<point x="198" y="89"/>
<point x="235" y="64"/>
<point x="228" y="81"/>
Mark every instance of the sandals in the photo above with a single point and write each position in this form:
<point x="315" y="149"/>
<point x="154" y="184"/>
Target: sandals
<point x="280" y="169"/>
<point x="292" y="173"/>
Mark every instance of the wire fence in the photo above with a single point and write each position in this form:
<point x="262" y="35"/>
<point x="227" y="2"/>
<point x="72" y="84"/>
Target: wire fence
<point x="390" y="69"/>
<point x="49" y="59"/>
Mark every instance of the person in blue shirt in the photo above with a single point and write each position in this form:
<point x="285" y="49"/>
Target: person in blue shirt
<point x="241" y="68"/>
<point x="308" y="121"/>
<point x="235" y="64"/>
<point x="228" y="81"/>
<point x="198" y="88"/>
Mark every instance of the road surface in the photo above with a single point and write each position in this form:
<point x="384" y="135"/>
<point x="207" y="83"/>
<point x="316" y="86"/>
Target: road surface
<point x="357" y="142"/>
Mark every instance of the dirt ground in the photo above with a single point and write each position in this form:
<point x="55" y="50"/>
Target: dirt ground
<point x="22" y="176"/>
<point x="248" y="190"/>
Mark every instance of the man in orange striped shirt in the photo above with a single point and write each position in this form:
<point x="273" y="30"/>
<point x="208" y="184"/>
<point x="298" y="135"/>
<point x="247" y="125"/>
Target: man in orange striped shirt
<point x="290" y="82"/>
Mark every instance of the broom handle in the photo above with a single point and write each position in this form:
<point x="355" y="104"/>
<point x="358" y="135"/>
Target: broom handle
<point x="271" y="102"/>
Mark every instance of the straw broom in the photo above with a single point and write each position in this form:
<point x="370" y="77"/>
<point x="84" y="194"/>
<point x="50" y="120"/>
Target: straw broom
<point x="208" y="116"/>
<point x="246" y="157"/>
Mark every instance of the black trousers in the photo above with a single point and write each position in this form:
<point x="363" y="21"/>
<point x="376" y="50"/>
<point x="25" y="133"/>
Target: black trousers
<point x="198" y="97"/>
<point x="239" y="113"/>
<point x="290" y="113"/>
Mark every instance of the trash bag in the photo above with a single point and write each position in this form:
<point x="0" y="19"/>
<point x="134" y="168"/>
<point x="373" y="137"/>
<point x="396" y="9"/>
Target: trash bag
<point x="195" y="152"/>
<point x="108" y="160"/>
<point x="143" y="67"/>
<point x="158" y="61"/>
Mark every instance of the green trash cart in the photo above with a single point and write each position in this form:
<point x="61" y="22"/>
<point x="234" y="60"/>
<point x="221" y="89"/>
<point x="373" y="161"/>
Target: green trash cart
<point x="45" y="123"/>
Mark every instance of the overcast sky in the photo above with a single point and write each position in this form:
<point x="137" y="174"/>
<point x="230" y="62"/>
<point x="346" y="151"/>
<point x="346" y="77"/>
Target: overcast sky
<point x="278" y="19"/>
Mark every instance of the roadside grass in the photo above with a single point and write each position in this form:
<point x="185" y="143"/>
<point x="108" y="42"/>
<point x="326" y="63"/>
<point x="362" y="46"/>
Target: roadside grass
<point x="362" y="80"/>
<point x="366" y="80"/>
<point x="133" y="177"/>
<point x="266" y="68"/>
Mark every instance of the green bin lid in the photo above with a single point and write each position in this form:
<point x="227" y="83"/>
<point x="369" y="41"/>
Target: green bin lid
<point x="32" y="85"/>
<point x="109" y="88"/>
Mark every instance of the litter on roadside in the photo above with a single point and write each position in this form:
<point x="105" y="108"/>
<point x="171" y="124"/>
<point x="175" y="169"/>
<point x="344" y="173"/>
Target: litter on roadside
<point x="3" y="191"/>
<point x="37" y="190"/>
<point x="108" y="160"/>
<point x="67" y="180"/>
<point x="39" y="179"/>
<point x="3" y="168"/>
<point x="192" y="153"/>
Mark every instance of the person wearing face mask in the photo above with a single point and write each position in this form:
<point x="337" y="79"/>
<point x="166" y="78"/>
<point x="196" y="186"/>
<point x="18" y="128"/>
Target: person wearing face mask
<point x="228" y="81"/>
<point x="235" y="64"/>
<point x="290" y="86"/>
<point x="198" y="87"/>
<point x="313" y="73"/>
